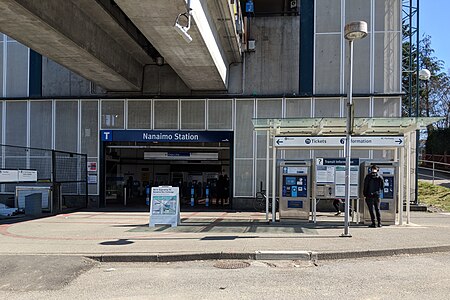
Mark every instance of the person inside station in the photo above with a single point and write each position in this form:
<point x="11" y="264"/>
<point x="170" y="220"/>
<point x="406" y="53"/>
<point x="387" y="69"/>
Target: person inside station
<point x="337" y="206"/>
<point x="226" y="189"/>
<point x="129" y="186"/>
<point x="220" y="190"/>
<point x="373" y="185"/>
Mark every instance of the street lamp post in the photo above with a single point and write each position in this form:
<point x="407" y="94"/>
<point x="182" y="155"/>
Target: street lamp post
<point x="424" y="75"/>
<point x="352" y="31"/>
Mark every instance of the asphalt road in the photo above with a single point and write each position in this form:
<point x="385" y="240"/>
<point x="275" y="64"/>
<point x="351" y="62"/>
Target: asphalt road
<point x="400" y="277"/>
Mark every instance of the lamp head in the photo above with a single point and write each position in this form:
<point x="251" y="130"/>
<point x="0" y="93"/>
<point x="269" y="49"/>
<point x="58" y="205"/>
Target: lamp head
<point x="424" y="74"/>
<point x="355" y="30"/>
<point x="183" y="32"/>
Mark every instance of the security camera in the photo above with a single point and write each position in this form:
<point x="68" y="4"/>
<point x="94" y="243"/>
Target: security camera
<point x="183" y="32"/>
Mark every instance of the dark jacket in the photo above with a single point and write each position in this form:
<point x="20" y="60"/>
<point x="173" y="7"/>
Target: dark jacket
<point x="373" y="184"/>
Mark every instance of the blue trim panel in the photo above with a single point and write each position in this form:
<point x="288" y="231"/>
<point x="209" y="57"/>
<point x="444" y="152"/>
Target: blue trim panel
<point x="306" y="48"/>
<point x="35" y="84"/>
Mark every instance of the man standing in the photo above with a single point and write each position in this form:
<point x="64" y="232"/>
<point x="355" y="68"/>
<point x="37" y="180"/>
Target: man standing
<point x="373" y="185"/>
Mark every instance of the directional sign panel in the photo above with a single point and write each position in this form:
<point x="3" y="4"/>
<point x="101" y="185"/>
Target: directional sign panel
<point x="308" y="141"/>
<point x="337" y="142"/>
<point x="378" y="141"/>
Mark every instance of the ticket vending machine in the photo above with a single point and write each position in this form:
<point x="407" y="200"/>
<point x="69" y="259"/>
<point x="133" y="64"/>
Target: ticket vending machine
<point x="295" y="191"/>
<point x="389" y="195"/>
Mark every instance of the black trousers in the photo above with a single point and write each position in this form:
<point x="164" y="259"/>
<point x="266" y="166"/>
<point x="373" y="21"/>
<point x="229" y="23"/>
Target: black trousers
<point x="374" y="204"/>
<point x="336" y="203"/>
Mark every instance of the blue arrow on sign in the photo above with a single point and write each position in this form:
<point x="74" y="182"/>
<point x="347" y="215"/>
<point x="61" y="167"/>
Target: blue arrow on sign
<point x="399" y="141"/>
<point x="279" y="142"/>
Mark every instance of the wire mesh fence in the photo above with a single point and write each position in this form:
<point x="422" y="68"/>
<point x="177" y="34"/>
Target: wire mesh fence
<point x="65" y="173"/>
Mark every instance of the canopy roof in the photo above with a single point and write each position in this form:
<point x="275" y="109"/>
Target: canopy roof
<point x="337" y="126"/>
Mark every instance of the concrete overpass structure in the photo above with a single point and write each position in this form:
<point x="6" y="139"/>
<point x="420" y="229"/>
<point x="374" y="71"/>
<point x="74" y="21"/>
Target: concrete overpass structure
<point x="112" y="42"/>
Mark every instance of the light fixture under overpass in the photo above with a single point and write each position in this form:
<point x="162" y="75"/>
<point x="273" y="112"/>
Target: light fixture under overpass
<point x="183" y="29"/>
<point x="352" y="31"/>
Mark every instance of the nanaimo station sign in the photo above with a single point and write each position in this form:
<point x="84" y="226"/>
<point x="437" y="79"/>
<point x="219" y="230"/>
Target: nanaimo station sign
<point x="165" y="136"/>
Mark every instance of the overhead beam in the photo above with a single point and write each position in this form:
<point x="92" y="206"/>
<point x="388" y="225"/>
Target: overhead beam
<point x="201" y="64"/>
<point x="62" y="31"/>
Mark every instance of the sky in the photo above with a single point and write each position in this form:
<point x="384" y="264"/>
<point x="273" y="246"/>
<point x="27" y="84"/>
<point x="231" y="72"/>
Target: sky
<point x="434" y="21"/>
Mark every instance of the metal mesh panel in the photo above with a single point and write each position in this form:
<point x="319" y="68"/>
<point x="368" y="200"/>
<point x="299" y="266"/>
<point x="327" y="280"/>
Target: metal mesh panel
<point x="244" y="128"/>
<point x="328" y="17"/>
<point x="41" y="160"/>
<point x="1" y="65"/>
<point x="365" y="154"/>
<point x="298" y="108"/>
<point x="166" y="114"/>
<point x="297" y="154"/>
<point x="386" y="107"/>
<point x="89" y="127"/>
<point x="67" y="167"/>
<point x="112" y="114"/>
<point x="16" y="124"/>
<point x="193" y="114"/>
<point x="362" y="107"/>
<point x="70" y="172"/>
<point x="66" y="125"/>
<point x="327" y="108"/>
<point x="243" y="178"/>
<point x="220" y="114"/>
<point x="326" y="153"/>
<point x="15" y="158"/>
<point x="266" y="109"/>
<point x="41" y="124"/>
<point x="383" y="154"/>
<point x="139" y="114"/>
<point x="261" y="174"/>
<point x="66" y="172"/>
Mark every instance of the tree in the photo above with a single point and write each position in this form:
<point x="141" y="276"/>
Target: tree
<point x="434" y="96"/>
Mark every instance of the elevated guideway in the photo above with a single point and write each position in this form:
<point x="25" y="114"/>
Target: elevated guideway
<point x="203" y="63"/>
<point x="112" y="42"/>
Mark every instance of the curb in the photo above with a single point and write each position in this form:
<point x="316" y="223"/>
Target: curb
<point x="379" y="253"/>
<point x="172" y="257"/>
<point x="267" y="255"/>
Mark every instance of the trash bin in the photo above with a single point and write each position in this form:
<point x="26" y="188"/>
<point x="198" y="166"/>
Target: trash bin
<point x="33" y="205"/>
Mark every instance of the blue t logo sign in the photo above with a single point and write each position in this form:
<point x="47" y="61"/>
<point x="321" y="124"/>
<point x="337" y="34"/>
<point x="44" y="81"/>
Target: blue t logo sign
<point x="107" y="136"/>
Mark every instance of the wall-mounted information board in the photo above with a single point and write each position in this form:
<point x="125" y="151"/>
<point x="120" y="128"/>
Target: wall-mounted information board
<point x="330" y="178"/>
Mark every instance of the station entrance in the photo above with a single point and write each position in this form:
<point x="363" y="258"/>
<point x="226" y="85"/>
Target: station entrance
<point x="199" y="166"/>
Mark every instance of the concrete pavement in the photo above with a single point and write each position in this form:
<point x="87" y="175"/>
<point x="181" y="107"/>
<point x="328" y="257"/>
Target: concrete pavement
<point x="125" y="236"/>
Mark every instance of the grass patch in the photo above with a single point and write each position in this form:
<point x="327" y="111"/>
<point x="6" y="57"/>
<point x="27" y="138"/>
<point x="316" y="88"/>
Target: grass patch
<point x="434" y="195"/>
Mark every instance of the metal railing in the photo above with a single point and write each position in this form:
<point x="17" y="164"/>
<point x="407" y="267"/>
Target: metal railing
<point x="65" y="173"/>
<point x="434" y="170"/>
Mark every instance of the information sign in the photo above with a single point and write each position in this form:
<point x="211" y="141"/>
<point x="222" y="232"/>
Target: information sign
<point x="27" y="175"/>
<point x="165" y="206"/>
<point x="338" y="142"/>
<point x="330" y="178"/>
<point x="92" y="166"/>
<point x="9" y="176"/>
<point x="18" y="176"/>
